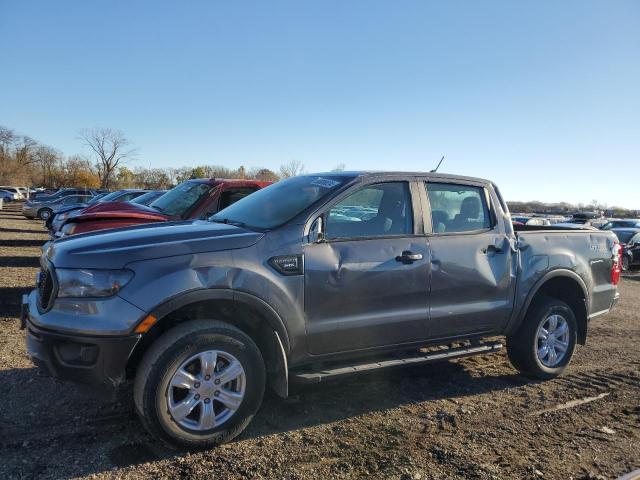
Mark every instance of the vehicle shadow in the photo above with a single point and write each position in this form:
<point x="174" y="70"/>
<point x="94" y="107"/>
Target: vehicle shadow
<point x="14" y="216"/>
<point x="18" y="230"/>
<point x="10" y="298"/>
<point x="22" y="243"/>
<point x="24" y="261"/>
<point x="103" y="436"/>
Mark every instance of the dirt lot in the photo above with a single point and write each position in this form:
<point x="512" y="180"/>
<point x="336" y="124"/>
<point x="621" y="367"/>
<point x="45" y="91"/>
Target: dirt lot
<point x="474" y="418"/>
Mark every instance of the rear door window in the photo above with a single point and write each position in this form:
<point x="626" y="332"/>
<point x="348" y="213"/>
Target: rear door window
<point x="458" y="208"/>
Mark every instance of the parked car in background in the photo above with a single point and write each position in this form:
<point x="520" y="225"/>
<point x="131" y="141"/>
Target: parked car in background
<point x="192" y="199"/>
<point x="298" y="283"/>
<point x="109" y="201"/>
<point x="577" y="226"/>
<point x="63" y="192"/>
<point x="43" y="192"/>
<point x="522" y="220"/>
<point x="44" y="209"/>
<point x="538" y="221"/>
<point x="8" y="196"/>
<point x="63" y="211"/>
<point x="15" y="190"/>
<point x="630" y="242"/>
<point x="621" y="223"/>
<point x="148" y="197"/>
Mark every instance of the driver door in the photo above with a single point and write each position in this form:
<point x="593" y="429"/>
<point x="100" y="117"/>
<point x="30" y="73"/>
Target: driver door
<point x="366" y="284"/>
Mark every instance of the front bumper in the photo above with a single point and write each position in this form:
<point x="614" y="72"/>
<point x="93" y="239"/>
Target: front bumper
<point x="29" y="212"/>
<point x="97" y="361"/>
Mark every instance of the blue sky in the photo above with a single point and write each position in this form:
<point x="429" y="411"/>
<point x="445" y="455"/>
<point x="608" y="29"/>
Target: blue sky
<point x="542" y="97"/>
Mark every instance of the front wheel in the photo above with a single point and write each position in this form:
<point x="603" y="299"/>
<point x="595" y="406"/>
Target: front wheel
<point x="44" y="214"/>
<point x="544" y="344"/>
<point x="200" y="384"/>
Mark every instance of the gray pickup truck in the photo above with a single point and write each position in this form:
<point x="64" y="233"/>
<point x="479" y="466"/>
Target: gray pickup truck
<point x="315" y="277"/>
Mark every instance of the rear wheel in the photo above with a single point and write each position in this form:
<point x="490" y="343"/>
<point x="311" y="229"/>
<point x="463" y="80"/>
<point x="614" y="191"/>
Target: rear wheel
<point x="626" y="263"/>
<point x="544" y="344"/>
<point x="44" y="214"/>
<point x="200" y="384"/>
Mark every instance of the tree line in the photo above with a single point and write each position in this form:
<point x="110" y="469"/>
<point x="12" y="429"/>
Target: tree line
<point x="26" y="162"/>
<point x="566" y="209"/>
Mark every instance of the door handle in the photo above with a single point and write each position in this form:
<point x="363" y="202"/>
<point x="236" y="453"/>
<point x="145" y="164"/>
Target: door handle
<point x="408" y="257"/>
<point x="491" y="249"/>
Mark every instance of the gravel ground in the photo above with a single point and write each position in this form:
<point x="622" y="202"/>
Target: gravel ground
<point x="472" y="418"/>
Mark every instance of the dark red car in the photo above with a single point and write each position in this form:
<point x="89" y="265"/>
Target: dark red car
<point x="193" y="199"/>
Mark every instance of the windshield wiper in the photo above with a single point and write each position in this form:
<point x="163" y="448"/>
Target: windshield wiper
<point x="157" y="208"/>
<point x="227" y="221"/>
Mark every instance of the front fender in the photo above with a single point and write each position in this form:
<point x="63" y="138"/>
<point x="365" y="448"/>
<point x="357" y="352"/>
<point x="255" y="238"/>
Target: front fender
<point x="265" y="310"/>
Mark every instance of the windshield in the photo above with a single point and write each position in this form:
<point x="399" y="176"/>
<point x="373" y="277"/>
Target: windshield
<point x="619" y="224"/>
<point x="179" y="200"/>
<point x="624" y="237"/>
<point x="280" y="202"/>
<point x="110" y="196"/>
<point x="96" y="199"/>
<point x="146" y="198"/>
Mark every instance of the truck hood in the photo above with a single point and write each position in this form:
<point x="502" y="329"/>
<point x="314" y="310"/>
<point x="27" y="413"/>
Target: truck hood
<point x="118" y="247"/>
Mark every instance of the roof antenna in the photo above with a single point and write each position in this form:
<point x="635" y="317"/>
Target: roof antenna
<point x="439" y="163"/>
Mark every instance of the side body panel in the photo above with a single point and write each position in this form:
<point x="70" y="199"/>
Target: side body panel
<point x="358" y="296"/>
<point x="585" y="256"/>
<point x="473" y="275"/>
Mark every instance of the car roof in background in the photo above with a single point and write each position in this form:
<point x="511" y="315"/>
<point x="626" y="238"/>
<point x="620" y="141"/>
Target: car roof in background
<point x="625" y="230"/>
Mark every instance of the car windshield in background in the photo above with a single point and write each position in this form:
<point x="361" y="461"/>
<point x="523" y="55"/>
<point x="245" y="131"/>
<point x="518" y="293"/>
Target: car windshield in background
<point x="624" y="237"/>
<point x="178" y="201"/>
<point x="146" y="198"/>
<point x="97" y="198"/>
<point x="110" y="196"/>
<point x="620" y="224"/>
<point x="280" y="202"/>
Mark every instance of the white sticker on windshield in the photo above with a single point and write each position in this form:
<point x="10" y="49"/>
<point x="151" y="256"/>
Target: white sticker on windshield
<point x="324" y="182"/>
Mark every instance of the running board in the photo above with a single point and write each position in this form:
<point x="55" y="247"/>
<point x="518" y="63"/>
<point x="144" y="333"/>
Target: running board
<point x="432" y="356"/>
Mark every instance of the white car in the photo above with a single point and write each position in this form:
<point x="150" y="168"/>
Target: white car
<point x="14" y="190"/>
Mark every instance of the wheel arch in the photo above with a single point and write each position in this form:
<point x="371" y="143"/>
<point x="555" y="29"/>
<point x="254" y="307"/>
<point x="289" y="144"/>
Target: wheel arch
<point x="564" y="285"/>
<point x="247" y="312"/>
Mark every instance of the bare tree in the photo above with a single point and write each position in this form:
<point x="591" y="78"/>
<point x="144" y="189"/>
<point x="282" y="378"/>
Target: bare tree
<point x="48" y="159"/>
<point x="25" y="151"/>
<point x="292" y="169"/>
<point x="111" y="148"/>
<point x="339" y="168"/>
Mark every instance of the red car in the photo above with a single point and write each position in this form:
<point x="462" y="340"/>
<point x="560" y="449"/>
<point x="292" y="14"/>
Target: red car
<point x="193" y="199"/>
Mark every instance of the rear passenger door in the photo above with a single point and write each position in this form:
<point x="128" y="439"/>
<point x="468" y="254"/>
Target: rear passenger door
<point x="471" y="261"/>
<point x="366" y="284"/>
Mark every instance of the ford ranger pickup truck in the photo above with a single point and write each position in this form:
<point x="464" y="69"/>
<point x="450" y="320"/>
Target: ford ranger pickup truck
<point x="312" y="278"/>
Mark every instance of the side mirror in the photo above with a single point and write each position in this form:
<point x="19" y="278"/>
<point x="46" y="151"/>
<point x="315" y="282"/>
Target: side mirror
<point x="316" y="233"/>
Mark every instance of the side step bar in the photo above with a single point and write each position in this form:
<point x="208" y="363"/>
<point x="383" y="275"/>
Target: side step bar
<point x="432" y="356"/>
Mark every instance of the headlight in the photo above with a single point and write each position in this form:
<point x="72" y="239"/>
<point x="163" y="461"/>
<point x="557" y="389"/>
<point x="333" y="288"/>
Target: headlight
<point x="91" y="283"/>
<point x="68" y="228"/>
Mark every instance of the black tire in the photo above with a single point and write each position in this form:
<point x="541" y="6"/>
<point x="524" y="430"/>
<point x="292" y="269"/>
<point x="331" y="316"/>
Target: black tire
<point x="626" y="263"/>
<point x="167" y="354"/>
<point x="522" y="346"/>
<point x="44" y="213"/>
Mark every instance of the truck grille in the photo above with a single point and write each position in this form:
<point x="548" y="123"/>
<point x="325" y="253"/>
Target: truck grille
<point x="45" y="288"/>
